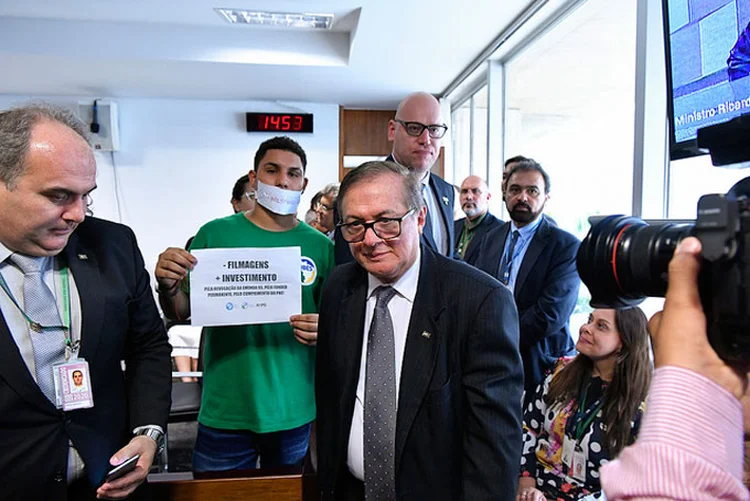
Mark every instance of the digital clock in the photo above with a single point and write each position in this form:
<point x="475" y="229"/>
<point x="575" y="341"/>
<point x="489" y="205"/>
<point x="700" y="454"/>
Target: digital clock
<point x="279" y="122"/>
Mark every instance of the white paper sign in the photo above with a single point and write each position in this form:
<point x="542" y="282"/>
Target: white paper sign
<point x="245" y="286"/>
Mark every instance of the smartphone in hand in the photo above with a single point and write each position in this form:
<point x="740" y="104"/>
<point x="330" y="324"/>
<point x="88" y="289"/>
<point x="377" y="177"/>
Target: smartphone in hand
<point x="123" y="468"/>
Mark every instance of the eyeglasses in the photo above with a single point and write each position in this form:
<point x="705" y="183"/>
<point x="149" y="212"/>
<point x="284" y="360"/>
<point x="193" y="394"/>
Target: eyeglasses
<point x="416" y="129"/>
<point x="323" y="207"/>
<point x="386" y="228"/>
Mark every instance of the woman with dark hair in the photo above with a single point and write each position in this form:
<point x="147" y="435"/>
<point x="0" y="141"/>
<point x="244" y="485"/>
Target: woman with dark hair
<point x="587" y="410"/>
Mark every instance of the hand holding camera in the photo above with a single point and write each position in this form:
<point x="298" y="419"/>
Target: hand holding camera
<point x="679" y="334"/>
<point x="624" y="259"/>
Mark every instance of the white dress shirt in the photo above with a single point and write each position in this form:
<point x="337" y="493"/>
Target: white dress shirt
<point x="438" y="231"/>
<point x="400" y="309"/>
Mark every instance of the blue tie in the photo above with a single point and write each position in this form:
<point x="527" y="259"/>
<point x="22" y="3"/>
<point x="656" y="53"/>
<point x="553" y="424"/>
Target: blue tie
<point x="507" y="262"/>
<point x="41" y="307"/>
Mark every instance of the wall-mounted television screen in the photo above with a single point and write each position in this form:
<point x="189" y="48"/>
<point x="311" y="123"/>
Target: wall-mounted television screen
<point x="708" y="66"/>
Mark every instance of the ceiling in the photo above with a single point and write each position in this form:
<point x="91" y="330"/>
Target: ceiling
<point x="376" y="52"/>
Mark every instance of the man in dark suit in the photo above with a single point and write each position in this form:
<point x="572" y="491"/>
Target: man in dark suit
<point x="416" y="132"/>
<point x="538" y="263"/>
<point x="74" y="290"/>
<point x="470" y="230"/>
<point x="418" y="375"/>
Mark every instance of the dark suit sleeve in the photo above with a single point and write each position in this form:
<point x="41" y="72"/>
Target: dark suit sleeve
<point x="325" y="386"/>
<point x="446" y="198"/>
<point x="557" y="299"/>
<point x="147" y="353"/>
<point x="492" y="386"/>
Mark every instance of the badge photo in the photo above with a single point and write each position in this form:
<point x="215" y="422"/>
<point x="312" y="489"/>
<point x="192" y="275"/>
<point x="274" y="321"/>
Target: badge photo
<point x="73" y="385"/>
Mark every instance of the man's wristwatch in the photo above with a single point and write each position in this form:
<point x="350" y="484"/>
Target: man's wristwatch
<point x="155" y="434"/>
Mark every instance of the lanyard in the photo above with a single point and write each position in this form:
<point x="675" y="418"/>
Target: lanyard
<point x="583" y="424"/>
<point x="37" y="327"/>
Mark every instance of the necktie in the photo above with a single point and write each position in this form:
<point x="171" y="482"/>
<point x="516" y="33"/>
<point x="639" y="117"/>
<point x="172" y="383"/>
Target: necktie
<point x="380" y="403"/>
<point x="40" y="306"/>
<point x="507" y="262"/>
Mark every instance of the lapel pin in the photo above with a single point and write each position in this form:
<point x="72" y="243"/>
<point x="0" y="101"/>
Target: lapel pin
<point x="445" y="200"/>
<point x="426" y="334"/>
<point x="82" y="257"/>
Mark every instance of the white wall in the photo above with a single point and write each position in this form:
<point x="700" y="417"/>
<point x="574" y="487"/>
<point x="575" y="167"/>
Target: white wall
<point x="179" y="159"/>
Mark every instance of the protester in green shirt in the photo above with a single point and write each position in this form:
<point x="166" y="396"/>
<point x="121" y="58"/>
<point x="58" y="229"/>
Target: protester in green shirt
<point x="258" y="382"/>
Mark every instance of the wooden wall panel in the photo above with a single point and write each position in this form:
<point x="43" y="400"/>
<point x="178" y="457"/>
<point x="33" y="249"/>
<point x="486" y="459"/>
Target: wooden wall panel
<point x="365" y="132"/>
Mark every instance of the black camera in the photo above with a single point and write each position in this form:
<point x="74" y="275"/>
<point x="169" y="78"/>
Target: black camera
<point x="623" y="259"/>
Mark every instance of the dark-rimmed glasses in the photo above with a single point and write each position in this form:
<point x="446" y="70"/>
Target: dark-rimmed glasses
<point x="416" y="129"/>
<point x="386" y="228"/>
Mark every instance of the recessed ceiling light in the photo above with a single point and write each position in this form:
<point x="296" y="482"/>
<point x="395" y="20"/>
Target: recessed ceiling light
<point x="277" y="19"/>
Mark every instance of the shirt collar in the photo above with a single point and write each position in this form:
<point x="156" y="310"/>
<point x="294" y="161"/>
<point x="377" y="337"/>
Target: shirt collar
<point x="406" y="286"/>
<point x="5" y="253"/>
<point x="470" y="225"/>
<point x="527" y="230"/>
<point x="425" y="179"/>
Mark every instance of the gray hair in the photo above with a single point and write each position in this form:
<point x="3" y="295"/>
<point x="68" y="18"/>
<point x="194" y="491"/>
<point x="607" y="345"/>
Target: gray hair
<point x="16" y="125"/>
<point x="412" y="188"/>
<point x="331" y="191"/>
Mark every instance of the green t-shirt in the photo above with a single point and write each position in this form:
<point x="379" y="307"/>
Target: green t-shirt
<point x="259" y="377"/>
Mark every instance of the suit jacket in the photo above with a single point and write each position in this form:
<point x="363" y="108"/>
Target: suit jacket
<point x="546" y="292"/>
<point x="119" y="321"/>
<point x="445" y="197"/>
<point x="458" y="428"/>
<point x="472" y="251"/>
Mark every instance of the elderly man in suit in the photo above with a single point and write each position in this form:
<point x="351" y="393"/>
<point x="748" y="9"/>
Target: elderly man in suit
<point x="75" y="292"/>
<point x="474" y="196"/>
<point x="538" y="263"/>
<point x="418" y="375"/>
<point x="417" y="132"/>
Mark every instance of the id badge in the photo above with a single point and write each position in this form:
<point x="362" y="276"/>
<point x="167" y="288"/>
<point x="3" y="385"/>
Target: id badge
<point x="73" y="385"/>
<point x="567" y="451"/>
<point x="578" y="467"/>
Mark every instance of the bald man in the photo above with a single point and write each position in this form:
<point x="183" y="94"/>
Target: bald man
<point x="417" y="132"/>
<point x="474" y="197"/>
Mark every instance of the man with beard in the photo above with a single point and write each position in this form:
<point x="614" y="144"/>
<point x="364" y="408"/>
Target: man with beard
<point x="258" y="380"/>
<point x="537" y="261"/>
<point x="470" y="231"/>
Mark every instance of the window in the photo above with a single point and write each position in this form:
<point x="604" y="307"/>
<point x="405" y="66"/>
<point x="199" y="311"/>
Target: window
<point x="469" y="122"/>
<point x="693" y="177"/>
<point x="461" y="135"/>
<point x="479" y="135"/>
<point x="570" y="104"/>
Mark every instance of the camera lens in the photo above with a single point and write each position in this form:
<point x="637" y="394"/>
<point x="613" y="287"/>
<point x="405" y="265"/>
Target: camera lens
<point x="623" y="259"/>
